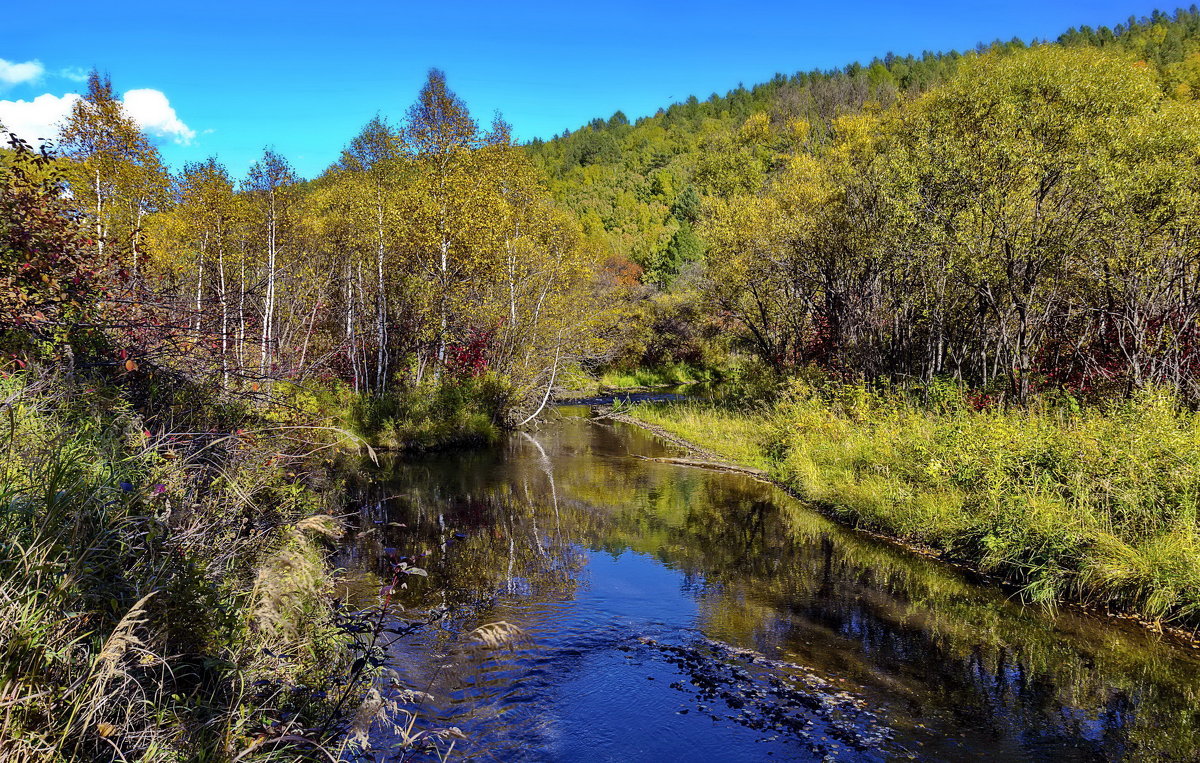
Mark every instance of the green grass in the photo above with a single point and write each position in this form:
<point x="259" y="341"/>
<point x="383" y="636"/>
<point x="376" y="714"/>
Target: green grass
<point x="660" y="376"/>
<point x="734" y="435"/>
<point x="1094" y="504"/>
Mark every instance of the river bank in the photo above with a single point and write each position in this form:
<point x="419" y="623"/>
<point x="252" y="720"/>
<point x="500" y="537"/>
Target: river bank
<point x="165" y="586"/>
<point x="1092" y="507"/>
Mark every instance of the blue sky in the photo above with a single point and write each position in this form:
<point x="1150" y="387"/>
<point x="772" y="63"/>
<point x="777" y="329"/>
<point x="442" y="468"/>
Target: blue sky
<point x="303" y="76"/>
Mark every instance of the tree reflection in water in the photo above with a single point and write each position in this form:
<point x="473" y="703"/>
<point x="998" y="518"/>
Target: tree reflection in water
<point x="621" y="569"/>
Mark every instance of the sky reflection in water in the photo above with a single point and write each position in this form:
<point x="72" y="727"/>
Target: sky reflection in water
<point x="680" y="614"/>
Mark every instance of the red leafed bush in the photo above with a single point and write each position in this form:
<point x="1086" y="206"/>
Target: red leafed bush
<point x="470" y="357"/>
<point x="50" y="274"/>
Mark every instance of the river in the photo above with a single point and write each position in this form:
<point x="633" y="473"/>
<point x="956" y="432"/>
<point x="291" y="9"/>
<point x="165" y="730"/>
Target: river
<point x="670" y="613"/>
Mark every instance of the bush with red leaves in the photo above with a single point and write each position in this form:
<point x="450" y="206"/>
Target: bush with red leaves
<point x="469" y="358"/>
<point x="50" y="274"/>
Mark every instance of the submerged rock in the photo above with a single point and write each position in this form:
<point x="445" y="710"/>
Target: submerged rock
<point x="777" y="698"/>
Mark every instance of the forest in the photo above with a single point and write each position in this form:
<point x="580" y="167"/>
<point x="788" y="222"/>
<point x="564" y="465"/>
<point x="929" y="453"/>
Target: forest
<point x="953" y="299"/>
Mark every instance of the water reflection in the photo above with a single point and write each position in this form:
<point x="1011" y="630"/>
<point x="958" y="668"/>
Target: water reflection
<point x="680" y="614"/>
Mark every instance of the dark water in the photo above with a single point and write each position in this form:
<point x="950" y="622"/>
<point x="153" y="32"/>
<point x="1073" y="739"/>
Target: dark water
<point x="676" y="614"/>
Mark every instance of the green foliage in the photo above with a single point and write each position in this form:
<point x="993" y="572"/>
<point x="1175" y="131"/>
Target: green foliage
<point x="1098" y="504"/>
<point x="686" y="207"/>
<point x="435" y="415"/>
<point x="668" y="330"/>
<point x="729" y="143"/>
<point x="657" y="376"/>
<point x="684" y="248"/>
<point x="591" y="147"/>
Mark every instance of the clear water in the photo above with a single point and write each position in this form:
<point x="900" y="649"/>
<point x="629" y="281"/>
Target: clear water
<point x="676" y="614"/>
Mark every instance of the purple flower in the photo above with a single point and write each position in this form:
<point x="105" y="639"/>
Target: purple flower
<point x="159" y="489"/>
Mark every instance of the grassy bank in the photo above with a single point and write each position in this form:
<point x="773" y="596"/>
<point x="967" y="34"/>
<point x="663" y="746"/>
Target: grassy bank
<point x="656" y="376"/>
<point x="440" y="415"/>
<point x="1094" y="504"/>
<point x="163" y="595"/>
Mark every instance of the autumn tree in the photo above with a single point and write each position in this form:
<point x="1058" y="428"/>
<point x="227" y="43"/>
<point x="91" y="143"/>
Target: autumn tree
<point x="116" y="175"/>
<point x="1019" y="151"/>
<point x="370" y="171"/>
<point x="271" y="188"/>
<point x="546" y="310"/>
<point x="210" y="214"/>
<point x="445" y="204"/>
<point x="1031" y="222"/>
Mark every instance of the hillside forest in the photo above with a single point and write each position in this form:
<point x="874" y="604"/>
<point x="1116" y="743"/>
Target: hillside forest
<point x="1015" y="217"/>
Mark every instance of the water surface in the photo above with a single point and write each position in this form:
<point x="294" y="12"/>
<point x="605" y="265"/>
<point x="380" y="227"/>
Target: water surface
<point x="676" y="614"/>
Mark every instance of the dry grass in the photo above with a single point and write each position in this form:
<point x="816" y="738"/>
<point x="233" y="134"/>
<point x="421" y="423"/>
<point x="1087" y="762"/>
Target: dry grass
<point x="499" y="635"/>
<point x="146" y="596"/>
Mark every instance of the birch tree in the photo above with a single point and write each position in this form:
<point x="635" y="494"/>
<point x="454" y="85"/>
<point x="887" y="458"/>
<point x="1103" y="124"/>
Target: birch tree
<point x="115" y="174"/>
<point x="441" y="135"/>
<point x="271" y="186"/>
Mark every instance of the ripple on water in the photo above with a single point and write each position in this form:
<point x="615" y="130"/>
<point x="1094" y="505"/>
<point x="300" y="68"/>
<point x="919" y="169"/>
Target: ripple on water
<point x="673" y="614"/>
<point x="579" y="661"/>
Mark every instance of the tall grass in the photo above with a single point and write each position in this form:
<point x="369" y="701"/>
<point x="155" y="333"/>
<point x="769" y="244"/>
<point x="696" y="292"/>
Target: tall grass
<point x="735" y="434"/>
<point x="155" y="603"/>
<point x="1096" y="504"/>
<point x="657" y="376"/>
<point x="434" y="415"/>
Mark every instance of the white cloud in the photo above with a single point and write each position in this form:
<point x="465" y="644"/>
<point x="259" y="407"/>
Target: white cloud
<point x="152" y="110"/>
<point x="14" y="74"/>
<point x="36" y="120"/>
<point x="74" y="73"/>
